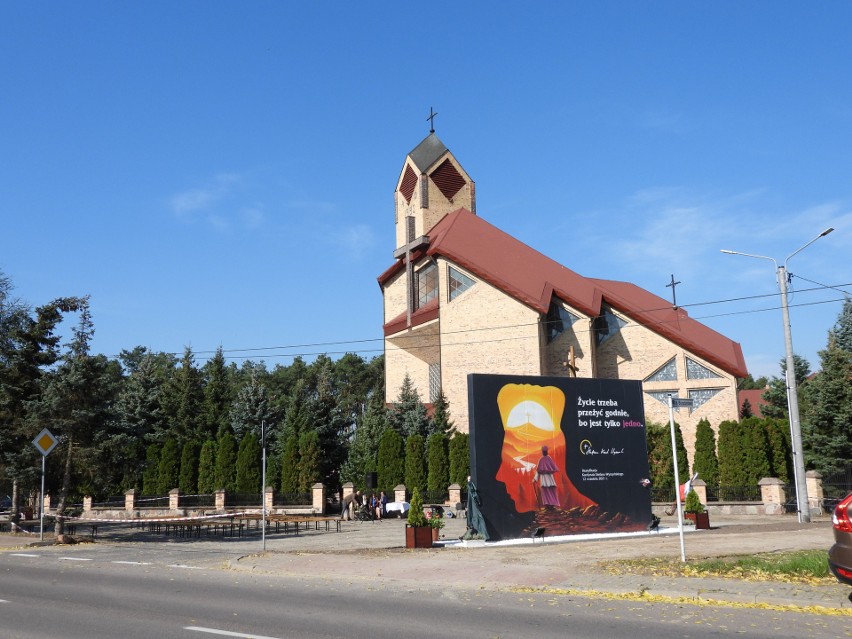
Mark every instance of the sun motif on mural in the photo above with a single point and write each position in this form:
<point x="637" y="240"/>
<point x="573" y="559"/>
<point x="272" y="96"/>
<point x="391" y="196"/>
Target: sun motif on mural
<point x="533" y="456"/>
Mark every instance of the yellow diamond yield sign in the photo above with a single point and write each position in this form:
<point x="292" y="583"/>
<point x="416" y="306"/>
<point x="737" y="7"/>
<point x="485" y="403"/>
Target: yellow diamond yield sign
<point x="45" y="442"/>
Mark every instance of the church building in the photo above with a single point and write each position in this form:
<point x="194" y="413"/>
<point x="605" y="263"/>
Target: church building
<point x="464" y="297"/>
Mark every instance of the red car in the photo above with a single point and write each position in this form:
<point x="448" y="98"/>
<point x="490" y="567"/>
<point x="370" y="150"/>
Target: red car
<point x="840" y="554"/>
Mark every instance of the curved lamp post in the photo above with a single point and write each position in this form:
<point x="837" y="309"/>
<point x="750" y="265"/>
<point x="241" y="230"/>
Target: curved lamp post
<point x="792" y="389"/>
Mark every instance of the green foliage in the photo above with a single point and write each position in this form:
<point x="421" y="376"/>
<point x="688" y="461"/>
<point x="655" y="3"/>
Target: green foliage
<point x="841" y="334"/>
<point x="226" y="462"/>
<point x="660" y="459"/>
<point x="749" y="383"/>
<point x="151" y="474"/>
<point x="776" y="395"/>
<point x="218" y="392"/>
<point x="755" y="447"/>
<point x="746" y="410"/>
<point x="706" y="463"/>
<point x="731" y="455"/>
<point x="408" y="413"/>
<point x="363" y="452"/>
<point x="692" y="504"/>
<point x="183" y="398"/>
<point x="459" y="459"/>
<point x="248" y="465"/>
<point x="415" y="462"/>
<point x="441" y="421"/>
<point x="290" y="465"/>
<point x="391" y="461"/>
<point x="827" y="420"/>
<point x="310" y="462"/>
<point x="251" y="407"/>
<point x="169" y="468"/>
<point x="207" y="468"/>
<point x="416" y="516"/>
<point x="188" y="479"/>
<point x="438" y="466"/>
<point x="780" y="453"/>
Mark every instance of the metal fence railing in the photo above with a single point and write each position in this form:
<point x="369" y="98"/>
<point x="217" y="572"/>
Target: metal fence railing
<point x="110" y="502"/>
<point x="244" y="499"/>
<point x="435" y="496"/>
<point x="197" y="501"/>
<point x="152" y="501"/>
<point x="292" y="499"/>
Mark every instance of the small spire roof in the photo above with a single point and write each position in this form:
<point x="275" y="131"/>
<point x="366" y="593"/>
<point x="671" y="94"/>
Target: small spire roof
<point x="427" y="152"/>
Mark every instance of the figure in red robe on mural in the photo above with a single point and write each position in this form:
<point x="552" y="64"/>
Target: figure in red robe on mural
<point x="544" y="476"/>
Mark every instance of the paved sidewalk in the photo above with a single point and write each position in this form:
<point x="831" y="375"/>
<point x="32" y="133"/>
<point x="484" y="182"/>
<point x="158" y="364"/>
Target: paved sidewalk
<point x="374" y="554"/>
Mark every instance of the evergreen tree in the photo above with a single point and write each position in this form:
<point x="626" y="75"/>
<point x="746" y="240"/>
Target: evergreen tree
<point x="842" y="331"/>
<point x="151" y="474"/>
<point x="776" y="395"/>
<point x="217" y="395"/>
<point x="415" y="462"/>
<point x="441" y="422"/>
<point x="438" y="477"/>
<point x="363" y="452"/>
<point x="731" y="456"/>
<point x="827" y="423"/>
<point x="290" y="466"/>
<point x="296" y="413"/>
<point x="188" y="478"/>
<point x="391" y="461"/>
<point x="660" y="459"/>
<point x="226" y="463"/>
<point x="310" y="462"/>
<point x="248" y="465"/>
<point x="251" y="407"/>
<point x="182" y="400"/>
<point x="746" y="410"/>
<point x="459" y="458"/>
<point x="330" y="426"/>
<point x="706" y="463"/>
<point x="755" y="446"/>
<point x="408" y="414"/>
<point x="780" y="454"/>
<point x="168" y="474"/>
<point x="207" y="468"/>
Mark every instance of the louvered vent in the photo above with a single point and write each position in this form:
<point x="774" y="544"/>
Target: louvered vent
<point x="447" y="179"/>
<point x="409" y="181"/>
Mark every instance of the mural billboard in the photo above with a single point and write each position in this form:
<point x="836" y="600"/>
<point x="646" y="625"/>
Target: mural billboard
<point x="564" y="454"/>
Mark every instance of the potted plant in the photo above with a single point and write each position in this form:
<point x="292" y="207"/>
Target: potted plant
<point x="696" y="512"/>
<point x="436" y="522"/>
<point x="418" y="532"/>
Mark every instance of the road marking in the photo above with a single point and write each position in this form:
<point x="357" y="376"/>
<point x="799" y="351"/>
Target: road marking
<point x="75" y="559"/>
<point x="133" y="563"/>
<point x="226" y="633"/>
<point x="186" y="567"/>
<point x="4" y="601"/>
<point x="21" y="554"/>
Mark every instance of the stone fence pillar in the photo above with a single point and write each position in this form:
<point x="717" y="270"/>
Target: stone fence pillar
<point x="399" y="493"/>
<point x="813" y="481"/>
<point x="348" y="489"/>
<point x="700" y="488"/>
<point x="772" y="495"/>
<point x="130" y="500"/>
<point x="268" y="498"/>
<point x="174" y="499"/>
<point x="47" y="503"/>
<point x="318" y="498"/>
<point x="87" y="504"/>
<point x="219" y="500"/>
<point x="455" y="494"/>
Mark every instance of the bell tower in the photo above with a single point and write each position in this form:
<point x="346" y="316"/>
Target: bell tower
<point x="431" y="185"/>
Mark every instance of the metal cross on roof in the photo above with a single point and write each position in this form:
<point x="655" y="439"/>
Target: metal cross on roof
<point x="431" y="119"/>
<point x="673" y="284"/>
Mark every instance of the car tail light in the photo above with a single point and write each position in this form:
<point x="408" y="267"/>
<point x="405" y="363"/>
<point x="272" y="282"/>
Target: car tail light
<point x="841" y="519"/>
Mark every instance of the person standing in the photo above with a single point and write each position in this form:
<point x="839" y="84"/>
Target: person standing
<point x="544" y="476"/>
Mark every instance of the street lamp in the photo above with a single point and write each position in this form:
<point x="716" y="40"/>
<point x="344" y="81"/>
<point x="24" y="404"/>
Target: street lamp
<point x="792" y="389"/>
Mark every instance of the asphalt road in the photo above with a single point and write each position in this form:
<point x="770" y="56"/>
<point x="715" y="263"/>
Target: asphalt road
<point x="78" y="593"/>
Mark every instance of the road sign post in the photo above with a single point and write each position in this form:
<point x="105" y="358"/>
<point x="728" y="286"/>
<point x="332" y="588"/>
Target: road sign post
<point x="44" y="442"/>
<point x="677" y="402"/>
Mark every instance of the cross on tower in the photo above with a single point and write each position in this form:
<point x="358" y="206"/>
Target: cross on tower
<point x="411" y="245"/>
<point x="431" y="119"/>
<point x="673" y="284"/>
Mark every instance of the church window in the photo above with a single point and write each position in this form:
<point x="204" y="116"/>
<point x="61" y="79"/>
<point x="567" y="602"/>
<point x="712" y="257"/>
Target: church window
<point x="701" y="395"/>
<point x="662" y="396"/>
<point x="694" y="370"/>
<point x="434" y="382"/>
<point x="559" y="319"/>
<point x="427" y="284"/>
<point x="459" y="283"/>
<point x="666" y="373"/>
<point x="607" y="325"/>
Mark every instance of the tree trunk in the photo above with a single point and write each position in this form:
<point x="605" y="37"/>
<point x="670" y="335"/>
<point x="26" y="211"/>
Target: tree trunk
<point x="63" y="492"/>
<point x="16" y="511"/>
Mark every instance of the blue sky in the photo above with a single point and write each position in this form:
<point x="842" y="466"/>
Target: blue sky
<point x="217" y="173"/>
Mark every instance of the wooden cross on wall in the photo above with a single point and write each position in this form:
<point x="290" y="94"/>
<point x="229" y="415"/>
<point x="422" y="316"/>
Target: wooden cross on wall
<point x="411" y="245"/>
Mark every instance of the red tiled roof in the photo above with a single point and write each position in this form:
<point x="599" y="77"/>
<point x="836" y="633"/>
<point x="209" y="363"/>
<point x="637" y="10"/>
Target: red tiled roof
<point x="532" y="278"/>
<point x="755" y="400"/>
